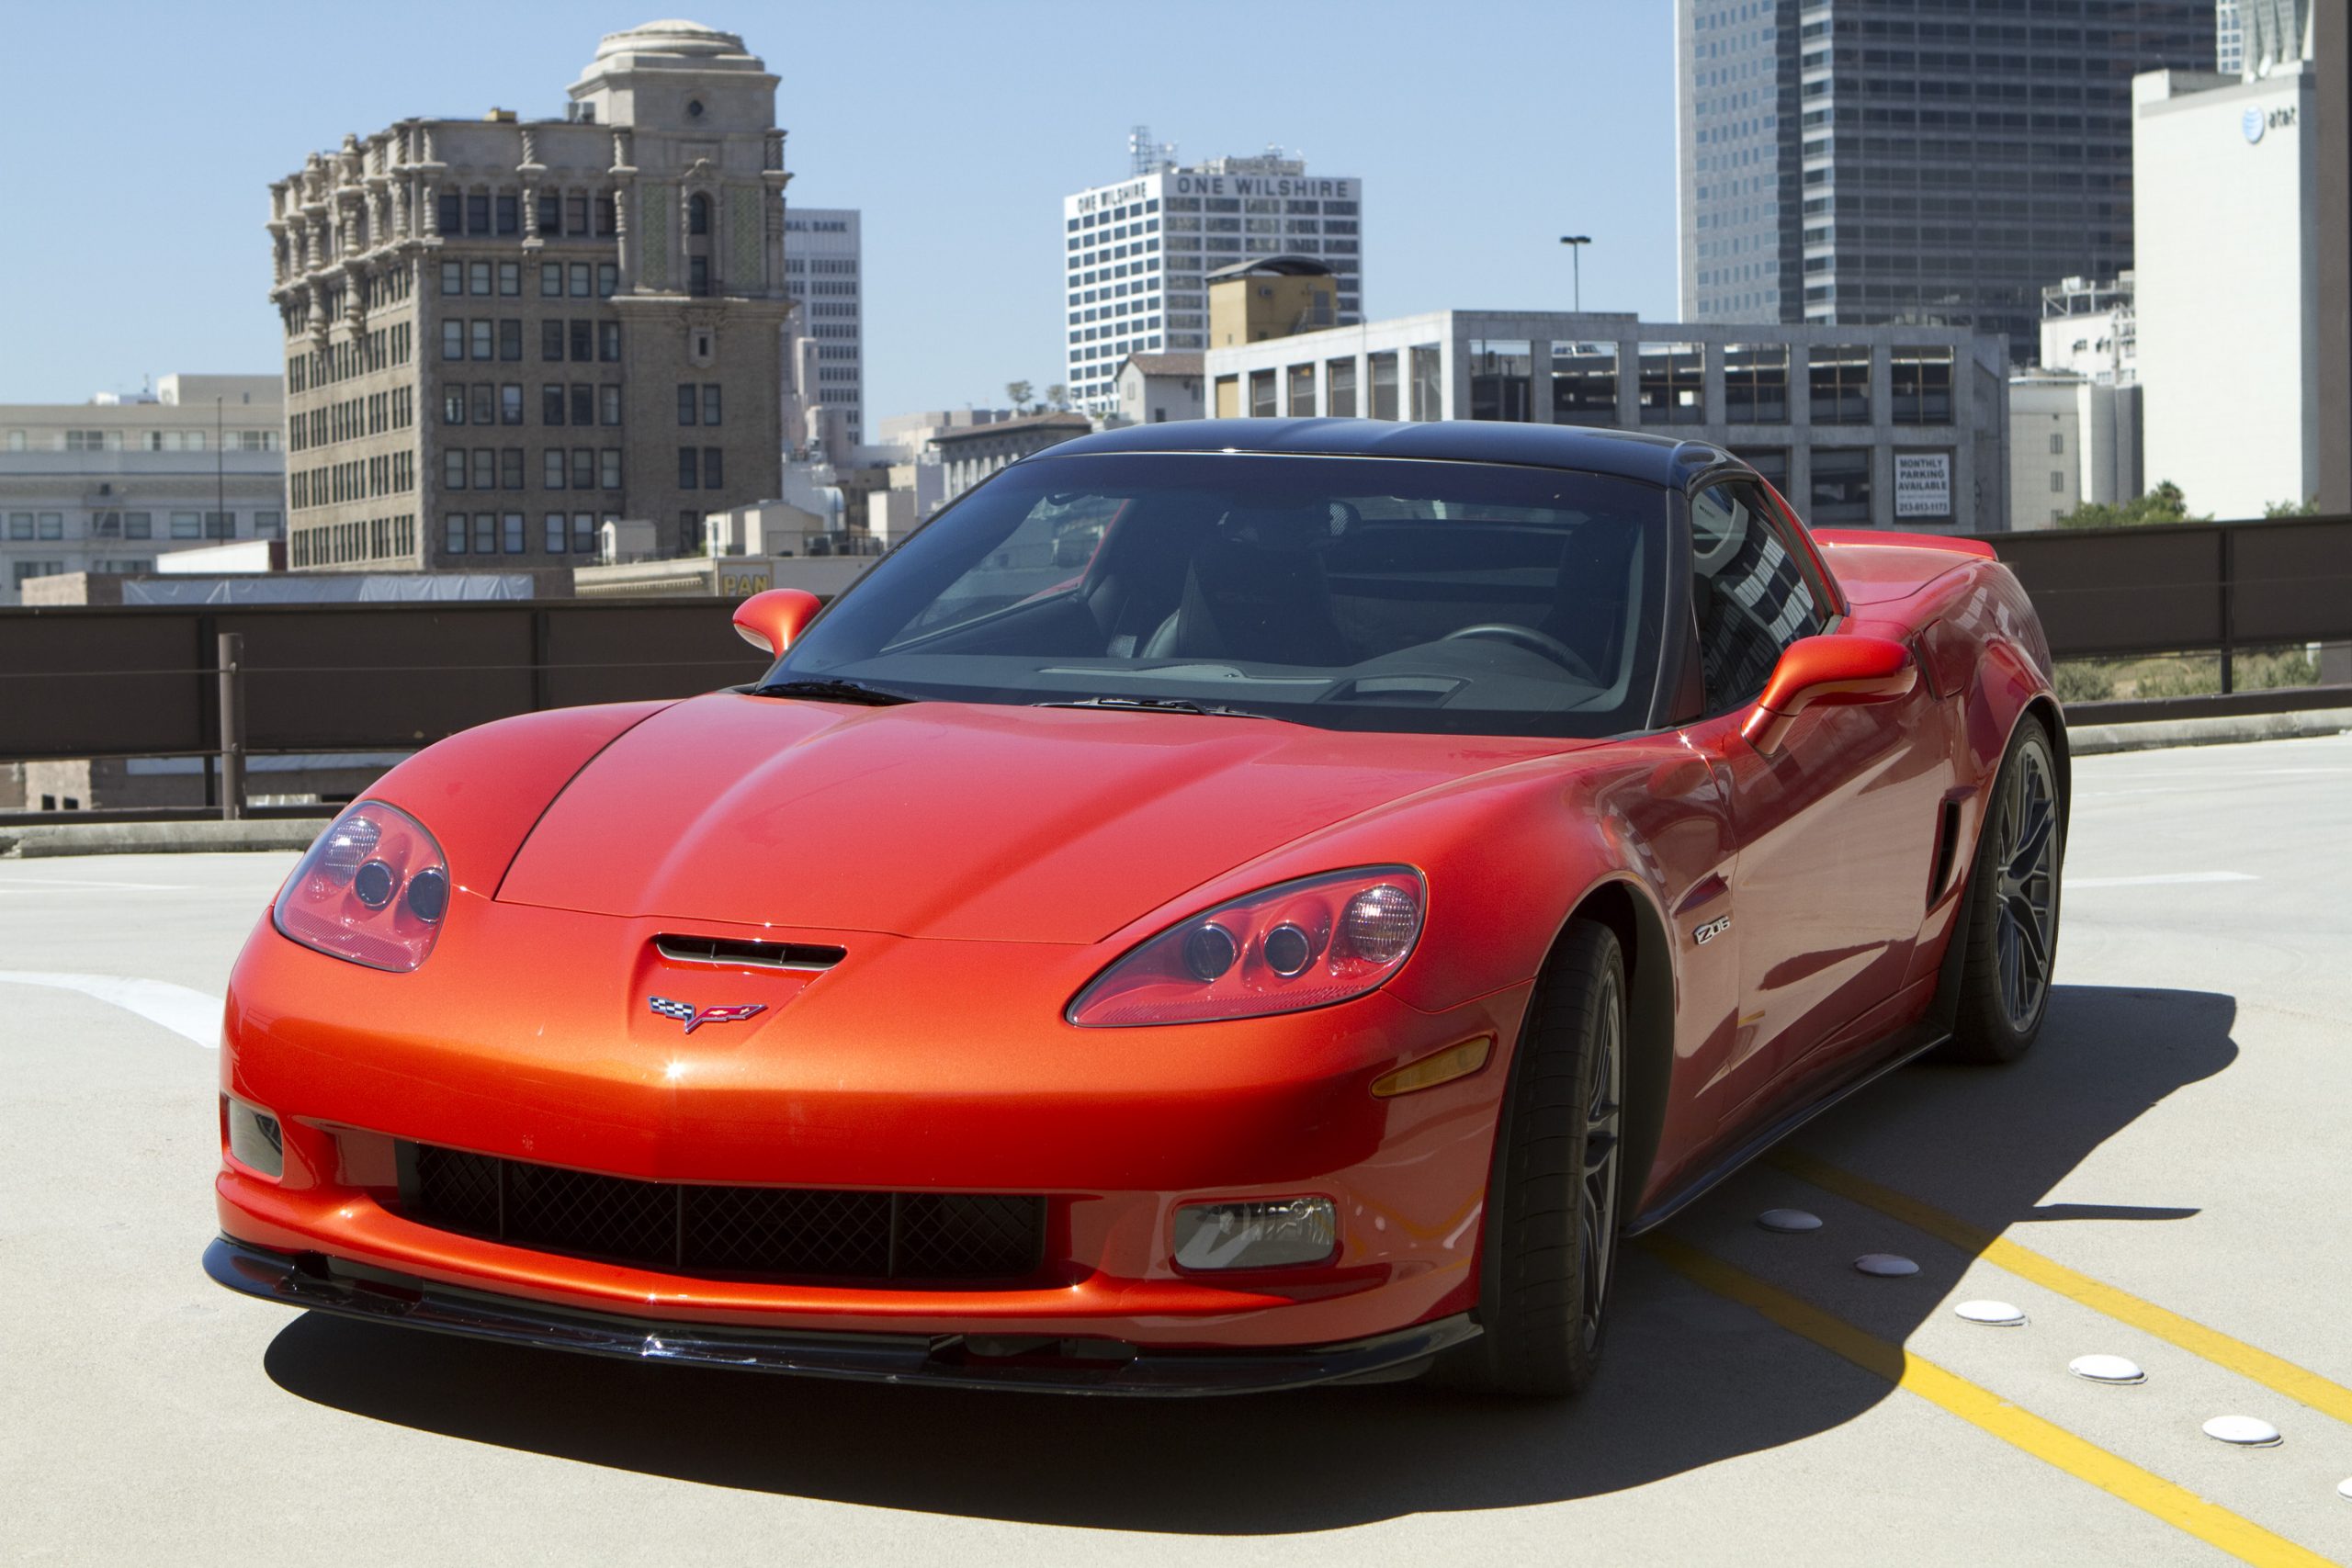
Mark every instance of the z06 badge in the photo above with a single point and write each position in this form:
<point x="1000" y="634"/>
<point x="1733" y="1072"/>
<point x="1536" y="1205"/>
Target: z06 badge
<point x="1704" y="934"/>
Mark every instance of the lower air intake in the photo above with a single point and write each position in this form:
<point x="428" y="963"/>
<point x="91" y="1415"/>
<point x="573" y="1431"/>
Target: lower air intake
<point x="778" y="1232"/>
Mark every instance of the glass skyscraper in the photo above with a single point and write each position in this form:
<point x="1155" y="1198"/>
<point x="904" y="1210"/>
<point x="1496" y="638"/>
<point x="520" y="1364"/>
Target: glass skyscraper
<point x="1931" y="161"/>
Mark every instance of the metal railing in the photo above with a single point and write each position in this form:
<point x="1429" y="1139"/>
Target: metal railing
<point x="227" y="684"/>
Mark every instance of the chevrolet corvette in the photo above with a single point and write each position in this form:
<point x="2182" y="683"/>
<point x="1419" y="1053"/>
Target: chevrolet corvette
<point x="1222" y="906"/>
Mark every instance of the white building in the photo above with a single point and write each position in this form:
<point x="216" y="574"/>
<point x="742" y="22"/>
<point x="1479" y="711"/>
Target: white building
<point x="2072" y="439"/>
<point x="2091" y="327"/>
<point x="1859" y="426"/>
<point x="1139" y="252"/>
<point x="1157" y="388"/>
<point x="110" y="485"/>
<point x="824" y="343"/>
<point x="2226" y="233"/>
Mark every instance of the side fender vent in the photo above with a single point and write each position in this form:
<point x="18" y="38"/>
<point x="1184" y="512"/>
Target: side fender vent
<point x="1947" y="848"/>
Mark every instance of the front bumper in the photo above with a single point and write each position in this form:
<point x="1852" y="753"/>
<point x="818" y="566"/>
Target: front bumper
<point x="1102" y="1366"/>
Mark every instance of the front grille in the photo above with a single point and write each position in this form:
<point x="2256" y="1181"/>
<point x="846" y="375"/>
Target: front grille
<point x="781" y="1232"/>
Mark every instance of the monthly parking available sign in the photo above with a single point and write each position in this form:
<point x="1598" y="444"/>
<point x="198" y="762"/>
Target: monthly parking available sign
<point x="1923" y="484"/>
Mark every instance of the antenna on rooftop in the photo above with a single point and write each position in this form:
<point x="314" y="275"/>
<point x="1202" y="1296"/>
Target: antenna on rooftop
<point x="1144" y="155"/>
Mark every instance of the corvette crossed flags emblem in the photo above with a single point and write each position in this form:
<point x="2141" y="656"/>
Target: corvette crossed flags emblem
<point x="687" y="1013"/>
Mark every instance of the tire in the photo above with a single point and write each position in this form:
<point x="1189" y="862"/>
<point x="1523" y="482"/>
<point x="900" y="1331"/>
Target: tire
<point x="1548" y="1251"/>
<point x="2012" y="912"/>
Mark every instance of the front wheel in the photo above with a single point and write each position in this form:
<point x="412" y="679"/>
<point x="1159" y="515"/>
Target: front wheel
<point x="1548" y="1250"/>
<point x="2010" y="922"/>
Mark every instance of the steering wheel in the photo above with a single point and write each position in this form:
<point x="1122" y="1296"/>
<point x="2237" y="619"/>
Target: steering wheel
<point x="1535" y="641"/>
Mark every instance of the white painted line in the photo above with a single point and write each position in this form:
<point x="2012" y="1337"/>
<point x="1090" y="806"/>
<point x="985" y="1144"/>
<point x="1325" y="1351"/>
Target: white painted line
<point x="2163" y="879"/>
<point x="190" y="1014"/>
<point x="36" y="885"/>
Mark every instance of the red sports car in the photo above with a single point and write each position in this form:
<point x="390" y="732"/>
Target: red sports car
<point x="1225" y="906"/>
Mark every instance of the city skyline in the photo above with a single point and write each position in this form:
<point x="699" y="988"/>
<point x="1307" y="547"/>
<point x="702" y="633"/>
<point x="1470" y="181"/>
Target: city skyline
<point x="1471" y="214"/>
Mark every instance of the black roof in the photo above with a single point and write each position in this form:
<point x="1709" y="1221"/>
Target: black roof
<point x="1661" y="459"/>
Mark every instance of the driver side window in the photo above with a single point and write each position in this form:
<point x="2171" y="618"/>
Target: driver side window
<point x="1749" y="595"/>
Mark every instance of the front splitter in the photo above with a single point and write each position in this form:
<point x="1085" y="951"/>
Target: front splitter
<point x="313" y="1281"/>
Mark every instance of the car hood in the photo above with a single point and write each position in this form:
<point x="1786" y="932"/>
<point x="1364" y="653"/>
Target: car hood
<point x="952" y="820"/>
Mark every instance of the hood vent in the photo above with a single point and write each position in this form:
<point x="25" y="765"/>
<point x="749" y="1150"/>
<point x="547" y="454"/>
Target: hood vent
<point x="808" y="957"/>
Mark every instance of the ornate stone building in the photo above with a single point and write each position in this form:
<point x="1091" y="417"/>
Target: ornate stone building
<point x="501" y="334"/>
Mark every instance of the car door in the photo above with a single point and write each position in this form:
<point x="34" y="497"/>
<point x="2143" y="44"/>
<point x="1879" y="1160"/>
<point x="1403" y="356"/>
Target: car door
<point x="1830" y="828"/>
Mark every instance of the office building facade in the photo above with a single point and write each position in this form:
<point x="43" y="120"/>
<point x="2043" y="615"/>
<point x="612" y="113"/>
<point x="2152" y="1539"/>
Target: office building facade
<point x="501" y="334"/>
<point x="111" y="485"/>
<point x="824" y="343"/>
<point x="1927" y="161"/>
<point x="1138" y="254"/>
<point x="1887" y="426"/>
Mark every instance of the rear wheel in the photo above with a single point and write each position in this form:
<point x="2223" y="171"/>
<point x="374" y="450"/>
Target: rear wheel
<point x="1549" y="1246"/>
<point x="2012" y="914"/>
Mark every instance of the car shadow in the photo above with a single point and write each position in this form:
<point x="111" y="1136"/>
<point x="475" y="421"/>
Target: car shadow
<point x="1690" y="1380"/>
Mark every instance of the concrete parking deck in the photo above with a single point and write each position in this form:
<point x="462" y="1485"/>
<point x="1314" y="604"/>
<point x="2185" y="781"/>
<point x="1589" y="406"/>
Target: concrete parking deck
<point x="2163" y="1179"/>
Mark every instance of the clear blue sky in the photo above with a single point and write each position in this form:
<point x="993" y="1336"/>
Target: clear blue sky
<point x="138" y="141"/>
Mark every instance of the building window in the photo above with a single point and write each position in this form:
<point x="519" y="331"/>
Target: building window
<point x="579" y="280"/>
<point x="2057" y="481"/>
<point x="1502" y="374"/>
<point x="52" y="524"/>
<point x="188" y="526"/>
<point x="510" y="278"/>
<point x="584" y="533"/>
<point x="510" y="403"/>
<point x="1301" y="392"/>
<point x="550" y="280"/>
<point x="608" y="279"/>
<point x="584" y="467"/>
<point x="1428" y="384"/>
<point x="1340" y="389"/>
<point x="1382" y="368"/>
<point x="485" y="468"/>
<point x="551" y="476"/>
<point x="453" y="467"/>
<point x="710" y="403"/>
<point x="453" y="278"/>
<point x="1841" y="486"/>
<point x="550" y="340"/>
<point x="485" y="533"/>
<point x="478" y="271"/>
<point x="610" y="398"/>
<point x="689" y="467"/>
<point x="551" y="403"/>
<point x="1755" y="383"/>
<point x="509" y="215"/>
<point x="510" y="341"/>
<point x="511" y="526"/>
<point x="482" y="392"/>
<point x="216" y="526"/>
<point x="557" y="536"/>
<point x="550" y="215"/>
<point x="484" y="338"/>
<point x="1921" y="382"/>
<point x="141" y="524"/>
<point x="698" y="276"/>
<point x="689" y="403"/>
<point x="453" y="402"/>
<point x="2057" y="445"/>
<point x="510" y="468"/>
<point x="449" y="211"/>
<point x="575" y="215"/>
<point x="1584" y="383"/>
<point x="583" y="403"/>
<point x="698" y="214"/>
<point x="453" y="534"/>
<point x="608" y="467"/>
<point x="453" y="340"/>
<point x="1261" y="394"/>
<point x="608" y="341"/>
<point x="690" y="533"/>
<point x="1841" y="384"/>
<point x="714" y="468"/>
<point x="1673" y="383"/>
<point x="583" y="340"/>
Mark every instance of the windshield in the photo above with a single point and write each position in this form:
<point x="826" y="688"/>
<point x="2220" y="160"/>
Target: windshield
<point x="1355" y="594"/>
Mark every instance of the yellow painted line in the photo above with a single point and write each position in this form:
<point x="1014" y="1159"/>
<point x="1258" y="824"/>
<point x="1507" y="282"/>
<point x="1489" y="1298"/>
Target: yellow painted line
<point x="1981" y="1408"/>
<point x="2303" y="1386"/>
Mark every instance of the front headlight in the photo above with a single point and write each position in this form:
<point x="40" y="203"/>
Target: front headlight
<point x="1297" y="945"/>
<point x="373" y="889"/>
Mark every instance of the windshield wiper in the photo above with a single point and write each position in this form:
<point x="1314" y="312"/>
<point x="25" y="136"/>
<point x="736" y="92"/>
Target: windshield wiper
<point x="1156" y="705"/>
<point x="835" y="692"/>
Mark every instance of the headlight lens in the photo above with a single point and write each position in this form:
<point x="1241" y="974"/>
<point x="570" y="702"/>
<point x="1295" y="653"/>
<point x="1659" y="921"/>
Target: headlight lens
<point x="1293" y="946"/>
<point x="373" y="891"/>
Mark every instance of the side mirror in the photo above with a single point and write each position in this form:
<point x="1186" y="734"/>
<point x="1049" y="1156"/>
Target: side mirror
<point x="770" y="620"/>
<point x="1819" y="672"/>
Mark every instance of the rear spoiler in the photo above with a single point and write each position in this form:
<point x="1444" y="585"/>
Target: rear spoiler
<point x="1957" y="543"/>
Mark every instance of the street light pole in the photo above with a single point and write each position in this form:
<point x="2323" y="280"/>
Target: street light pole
<point x="1576" y="243"/>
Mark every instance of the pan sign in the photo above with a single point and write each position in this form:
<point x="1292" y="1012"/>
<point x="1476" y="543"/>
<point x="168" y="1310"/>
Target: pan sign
<point x="1923" y="484"/>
